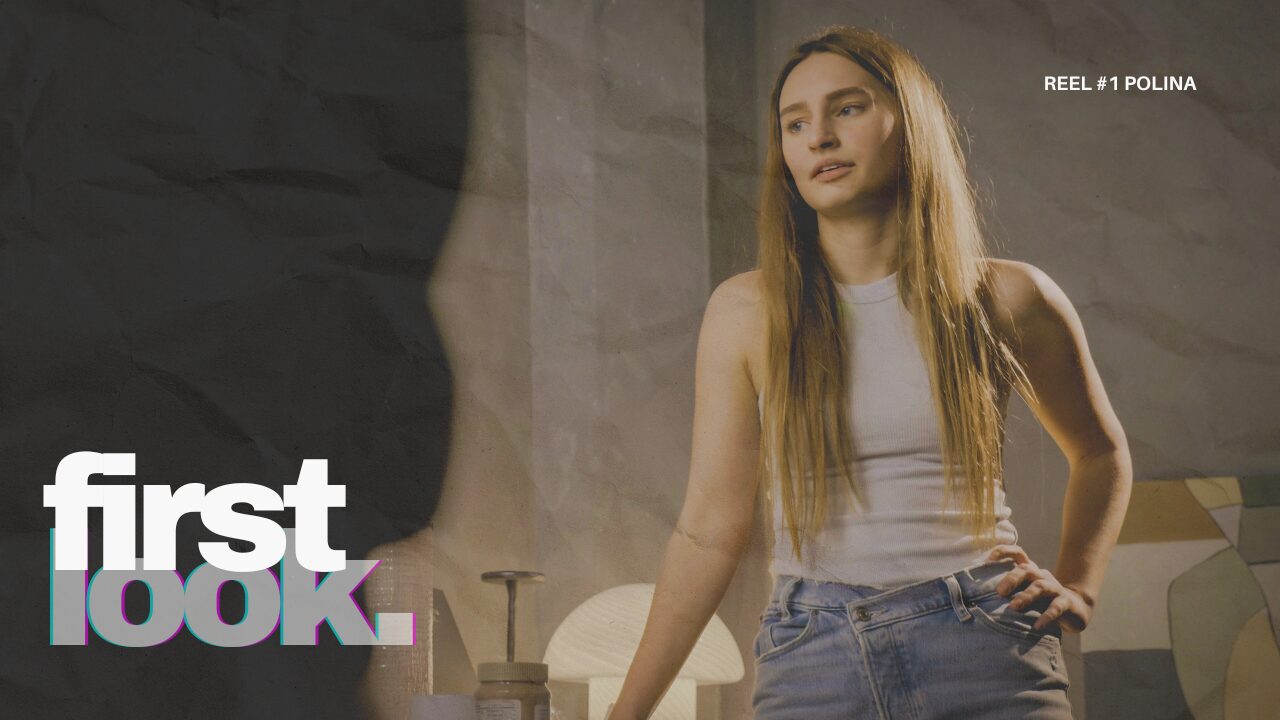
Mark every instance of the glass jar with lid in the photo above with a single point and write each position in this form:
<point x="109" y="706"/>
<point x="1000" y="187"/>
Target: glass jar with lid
<point x="513" y="691"/>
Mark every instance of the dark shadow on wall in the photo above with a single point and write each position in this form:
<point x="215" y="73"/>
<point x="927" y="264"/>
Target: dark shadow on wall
<point x="217" y="225"/>
<point x="736" y="127"/>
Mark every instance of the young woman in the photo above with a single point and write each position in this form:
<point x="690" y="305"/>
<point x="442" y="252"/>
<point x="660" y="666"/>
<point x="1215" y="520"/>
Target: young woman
<point x="863" y="370"/>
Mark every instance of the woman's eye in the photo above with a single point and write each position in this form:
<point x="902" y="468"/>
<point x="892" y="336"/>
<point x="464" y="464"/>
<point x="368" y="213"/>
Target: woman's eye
<point x="794" y="126"/>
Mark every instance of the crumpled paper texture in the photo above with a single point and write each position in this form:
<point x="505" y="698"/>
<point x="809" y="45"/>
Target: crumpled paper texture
<point x="217" y="223"/>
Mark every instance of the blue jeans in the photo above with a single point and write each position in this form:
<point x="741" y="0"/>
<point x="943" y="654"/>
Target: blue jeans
<point x="949" y="647"/>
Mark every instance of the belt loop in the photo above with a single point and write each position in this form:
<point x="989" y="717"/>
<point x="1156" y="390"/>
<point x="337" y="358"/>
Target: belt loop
<point x="784" y="596"/>
<point x="957" y="598"/>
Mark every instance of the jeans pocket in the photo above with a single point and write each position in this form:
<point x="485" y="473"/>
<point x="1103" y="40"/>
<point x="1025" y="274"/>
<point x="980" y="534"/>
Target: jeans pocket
<point x="994" y="612"/>
<point x="780" y="633"/>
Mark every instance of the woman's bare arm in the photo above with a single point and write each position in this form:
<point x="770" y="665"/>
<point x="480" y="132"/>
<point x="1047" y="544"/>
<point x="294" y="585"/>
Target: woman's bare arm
<point x="714" y="526"/>
<point x="1073" y="408"/>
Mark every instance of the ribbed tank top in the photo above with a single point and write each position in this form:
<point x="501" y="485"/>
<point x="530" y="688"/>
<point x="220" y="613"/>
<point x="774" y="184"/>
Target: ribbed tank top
<point x="903" y="534"/>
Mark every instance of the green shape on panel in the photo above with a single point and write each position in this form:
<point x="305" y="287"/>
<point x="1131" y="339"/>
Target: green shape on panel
<point x="1208" y="605"/>
<point x="1260" y="490"/>
<point x="1260" y="534"/>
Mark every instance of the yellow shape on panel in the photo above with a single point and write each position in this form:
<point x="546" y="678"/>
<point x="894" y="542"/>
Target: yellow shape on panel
<point x="1166" y="511"/>
<point x="1215" y="492"/>
<point x="1252" y="690"/>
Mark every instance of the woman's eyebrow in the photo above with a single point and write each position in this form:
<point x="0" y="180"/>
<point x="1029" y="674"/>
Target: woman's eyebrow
<point x="851" y="90"/>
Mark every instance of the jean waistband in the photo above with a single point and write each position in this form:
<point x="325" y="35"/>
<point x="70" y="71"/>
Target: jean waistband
<point x="874" y="606"/>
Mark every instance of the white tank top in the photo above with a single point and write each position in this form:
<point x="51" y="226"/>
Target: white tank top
<point x="903" y="534"/>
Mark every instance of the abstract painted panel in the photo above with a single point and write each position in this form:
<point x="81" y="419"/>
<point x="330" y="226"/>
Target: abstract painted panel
<point x="1186" y="625"/>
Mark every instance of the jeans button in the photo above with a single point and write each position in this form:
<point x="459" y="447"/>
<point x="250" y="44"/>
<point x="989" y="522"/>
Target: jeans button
<point x="863" y="613"/>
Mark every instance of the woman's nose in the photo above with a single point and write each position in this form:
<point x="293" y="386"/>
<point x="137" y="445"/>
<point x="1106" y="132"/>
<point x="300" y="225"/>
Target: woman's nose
<point x="822" y="136"/>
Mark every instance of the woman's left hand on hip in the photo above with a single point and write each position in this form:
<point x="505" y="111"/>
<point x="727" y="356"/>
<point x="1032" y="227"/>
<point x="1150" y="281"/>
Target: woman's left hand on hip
<point x="1065" y="606"/>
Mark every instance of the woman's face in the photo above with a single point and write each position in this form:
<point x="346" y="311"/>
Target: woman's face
<point x="833" y="112"/>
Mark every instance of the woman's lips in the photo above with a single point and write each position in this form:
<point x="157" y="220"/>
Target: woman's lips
<point x="829" y="175"/>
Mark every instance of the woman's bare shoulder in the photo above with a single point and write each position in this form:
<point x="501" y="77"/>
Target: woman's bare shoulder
<point x="1021" y="294"/>
<point x="1015" y="290"/>
<point x="737" y="298"/>
<point x="735" y="307"/>
<point x="743" y="288"/>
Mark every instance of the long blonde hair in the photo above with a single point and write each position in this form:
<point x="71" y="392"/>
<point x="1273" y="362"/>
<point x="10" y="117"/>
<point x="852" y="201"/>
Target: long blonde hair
<point x="941" y="260"/>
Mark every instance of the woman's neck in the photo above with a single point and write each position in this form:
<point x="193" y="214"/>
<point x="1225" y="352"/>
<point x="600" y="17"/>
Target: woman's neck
<point x="859" y="249"/>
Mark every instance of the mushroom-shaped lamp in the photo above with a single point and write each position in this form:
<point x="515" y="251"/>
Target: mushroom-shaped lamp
<point x="596" y="642"/>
